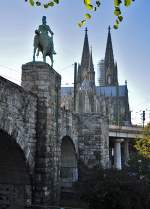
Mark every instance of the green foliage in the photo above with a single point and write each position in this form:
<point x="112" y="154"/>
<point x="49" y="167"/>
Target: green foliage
<point x="112" y="189"/>
<point x="31" y="2"/>
<point x="143" y="144"/>
<point x="139" y="166"/>
<point x="118" y="12"/>
<point x="92" y="7"/>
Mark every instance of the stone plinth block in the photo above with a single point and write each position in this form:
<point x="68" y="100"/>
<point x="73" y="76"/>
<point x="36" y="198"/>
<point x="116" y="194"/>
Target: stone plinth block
<point x="39" y="76"/>
<point x="43" y="81"/>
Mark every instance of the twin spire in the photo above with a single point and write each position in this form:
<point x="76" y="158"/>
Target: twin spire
<point x="85" y="52"/>
<point x="110" y="67"/>
<point x="87" y="59"/>
<point x="87" y="67"/>
<point x="109" y="57"/>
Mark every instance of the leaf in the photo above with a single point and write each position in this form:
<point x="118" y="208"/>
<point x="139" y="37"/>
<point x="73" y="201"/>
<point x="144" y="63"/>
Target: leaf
<point x="87" y="16"/>
<point x="127" y="2"/>
<point x="88" y="4"/>
<point x="45" y="6"/>
<point x="117" y="22"/>
<point x="117" y="3"/>
<point x="117" y="11"/>
<point x="120" y="18"/>
<point x="115" y="26"/>
<point x="38" y="3"/>
<point x="98" y="3"/>
<point x="31" y="2"/>
<point x="51" y="4"/>
<point x="56" y="1"/>
<point x="82" y="23"/>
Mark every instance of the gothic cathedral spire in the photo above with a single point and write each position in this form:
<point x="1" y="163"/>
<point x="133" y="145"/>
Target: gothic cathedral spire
<point x="111" y="78"/>
<point x="109" y="57"/>
<point x="85" y="52"/>
<point x="85" y="57"/>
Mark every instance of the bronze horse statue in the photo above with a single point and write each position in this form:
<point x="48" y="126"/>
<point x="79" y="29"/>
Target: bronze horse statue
<point x="43" y="42"/>
<point x="43" y="45"/>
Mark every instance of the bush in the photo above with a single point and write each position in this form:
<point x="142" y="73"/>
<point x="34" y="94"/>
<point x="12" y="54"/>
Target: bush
<point x="113" y="189"/>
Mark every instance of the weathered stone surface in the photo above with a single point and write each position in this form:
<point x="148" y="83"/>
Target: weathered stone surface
<point x="42" y="80"/>
<point x="18" y="117"/>
<point x="89" y="133"/>
<point x="17" y="144"/>
<point x="93" y="139"/>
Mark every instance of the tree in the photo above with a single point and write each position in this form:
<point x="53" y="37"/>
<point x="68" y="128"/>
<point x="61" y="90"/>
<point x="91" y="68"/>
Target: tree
<point x="143" y="144"/>
<point x="114" y="189"/>
<point x="90" y="7"/>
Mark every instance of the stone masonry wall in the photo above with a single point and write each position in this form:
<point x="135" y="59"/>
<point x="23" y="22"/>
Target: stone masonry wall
<point x="42" y="80"/>
<point x="93" y="139"/>
<point x="18" y="117"/>
<point x="90" y="135"/>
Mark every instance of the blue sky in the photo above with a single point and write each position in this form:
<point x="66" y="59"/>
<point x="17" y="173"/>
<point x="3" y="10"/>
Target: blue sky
<point x="131" y="43"/>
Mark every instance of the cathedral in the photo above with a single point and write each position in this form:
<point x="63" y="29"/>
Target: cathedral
<point x="109" y="98"/>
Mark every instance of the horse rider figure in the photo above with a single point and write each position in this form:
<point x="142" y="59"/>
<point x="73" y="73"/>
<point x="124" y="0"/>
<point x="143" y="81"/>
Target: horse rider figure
<point x="43" y="42"/>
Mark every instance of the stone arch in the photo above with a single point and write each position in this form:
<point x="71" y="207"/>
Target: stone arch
<point x="69" y="165"/>
<point x="15" y="182"/>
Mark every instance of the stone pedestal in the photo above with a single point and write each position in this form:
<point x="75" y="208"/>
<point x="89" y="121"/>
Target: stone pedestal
<point x="117" y="154"/>
<point x="41" y="79"/>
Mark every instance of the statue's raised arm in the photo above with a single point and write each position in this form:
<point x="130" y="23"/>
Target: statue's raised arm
<point x="43" y="42"/>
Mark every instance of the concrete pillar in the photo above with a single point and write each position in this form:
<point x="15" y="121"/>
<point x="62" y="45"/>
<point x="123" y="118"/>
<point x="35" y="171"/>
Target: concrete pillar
<point x="126" y="152"/>
<point x="117" y="154"/>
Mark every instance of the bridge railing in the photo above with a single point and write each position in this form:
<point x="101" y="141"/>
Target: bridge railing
<point x="48" y="207"/>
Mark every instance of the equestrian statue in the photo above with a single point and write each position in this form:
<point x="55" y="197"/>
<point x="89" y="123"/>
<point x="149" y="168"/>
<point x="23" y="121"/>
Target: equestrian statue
<point x="43" y="42"/>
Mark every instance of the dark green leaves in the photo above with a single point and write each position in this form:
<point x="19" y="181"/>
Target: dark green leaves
<point x="56" y="1"/>
<point x="81" y="23"/>
<point x="87" y="16"/>
<point x="38" y="3"/>
<point x="117" y="11"/>
<point x="31" y="2"/>
<point x="51" y="4"/>
<point x="117" y="3"/>
<point x="120" y="18"/>
<point x="127" y="2"/>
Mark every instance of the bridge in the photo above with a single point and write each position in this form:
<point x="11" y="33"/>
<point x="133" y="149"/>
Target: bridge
<point x="125" y="132"/>
<point x="121" y="140"/>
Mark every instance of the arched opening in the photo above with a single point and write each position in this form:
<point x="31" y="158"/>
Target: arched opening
<point x="109" y="79"/>
<point x="69" y="170"/>
<point x="14" y="177"/>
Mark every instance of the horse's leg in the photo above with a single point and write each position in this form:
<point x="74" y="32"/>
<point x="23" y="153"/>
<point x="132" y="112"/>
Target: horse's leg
<point x="52" y="61"/>
<point x="37" y="54"/>
<point x="44" y="56"/>
<point x="34" y="51"/>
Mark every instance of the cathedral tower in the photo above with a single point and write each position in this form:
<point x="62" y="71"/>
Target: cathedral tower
<point x="85" y="80"/>
<point x="108" y="71"/>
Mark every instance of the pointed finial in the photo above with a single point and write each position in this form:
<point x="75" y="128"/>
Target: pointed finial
<point x="126" y="82"/>
<point x="109" y="28"/>
<point x="86" y="30"/>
